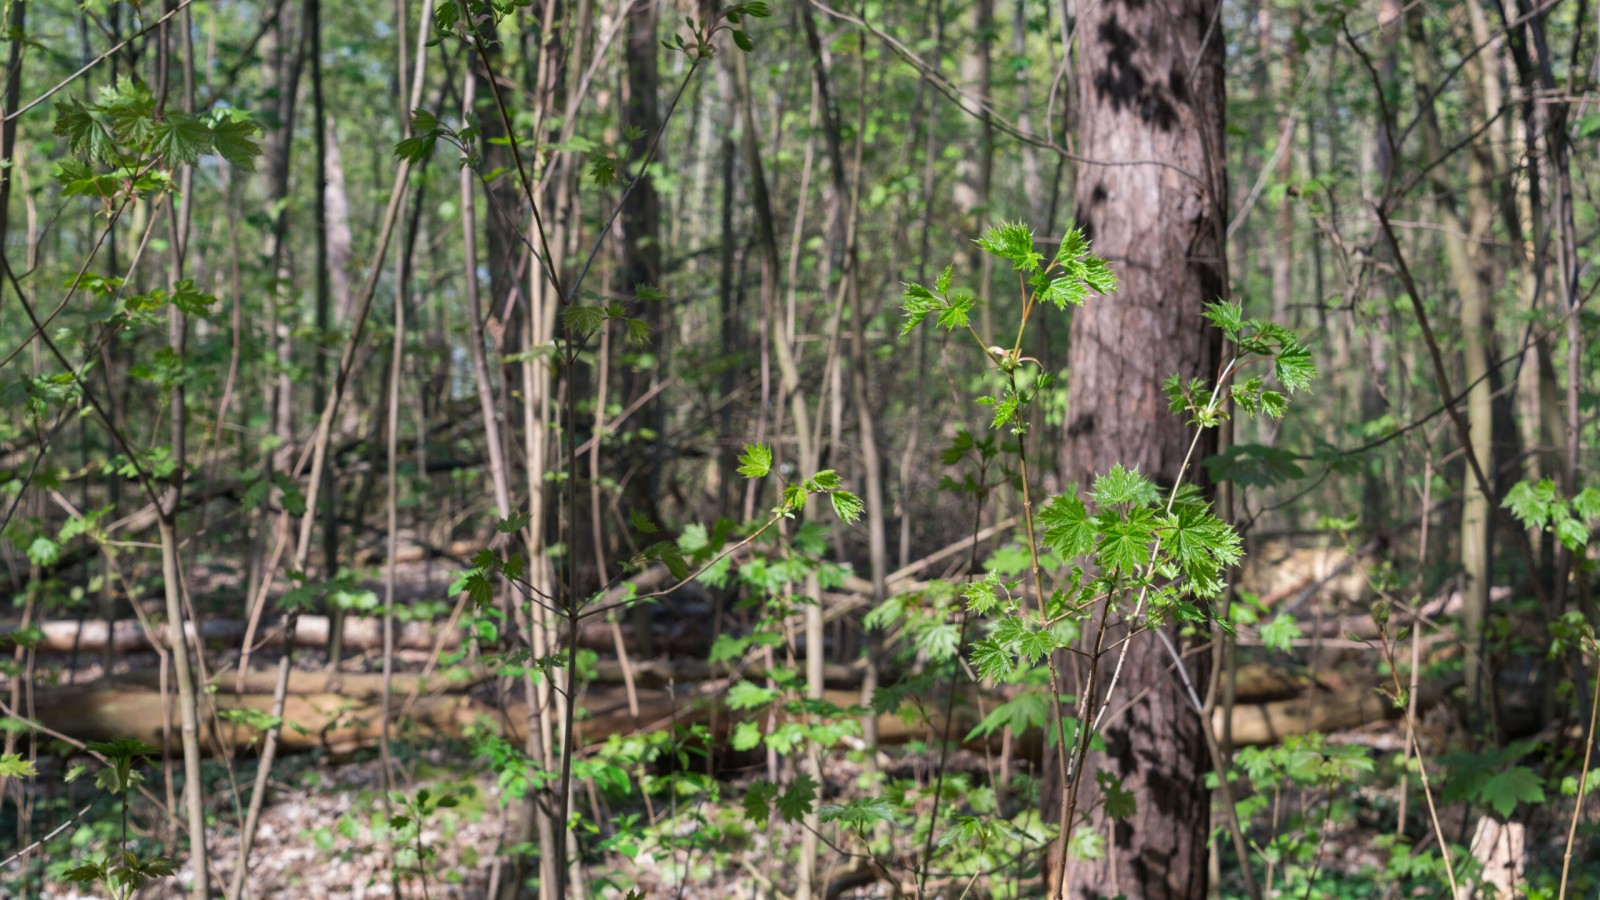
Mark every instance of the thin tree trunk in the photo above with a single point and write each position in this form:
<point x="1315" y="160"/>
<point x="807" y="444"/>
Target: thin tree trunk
<point x="640" y="241"/>
<point x="766" y="239"/>
<point x="1464" y="234"/>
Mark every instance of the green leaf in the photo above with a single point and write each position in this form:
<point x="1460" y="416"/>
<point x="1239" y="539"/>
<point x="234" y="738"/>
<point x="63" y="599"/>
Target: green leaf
<point x="1505" y="790"/>
<point x="416" y="148"/>
<point x="847" y="506"/>
<point x="1125" y="542"/>
<point x="234" y="140"/>
<point x="180" y="138"/>
<point x="746" y="736"/>
<point x="981" y="596"/>
<point x="1020" y="713"/>
<point x="13" y="765"/>
<point x="1227" y="316"/>
<point x="749" y="695"/>
<point x="755" y="461"/>
<point x="1013" y="241"/>
<point x="1254" y="465"/>
<point x="190" y="300"/>
<point x="758" y="802"/>
<point x="1068" y="529"/>
<point x="86" y="136"/>
<point x="584" y="320"/>
<point x="794" y="498"/>
<point x="796" y="802"/>
<point x="826" y="480"/>
<point x="1294" y="368"/>
<point x="955" y="313"/>
<point x="1280" y="633"/>
<point x="43" y="551"/>
<point x="1531" y="504"/>
<point x="1120" y="803"/>
<point x="1087" y="843"/>
<point x="87" y="873"/>
<point x="861" y="813"/>
<point x="1121" y="485"/>
<point x="993" y="660"/>
<point x="1571" y="533"/>
<point x="1587" y="504"/>
<point x="940" y="641"/>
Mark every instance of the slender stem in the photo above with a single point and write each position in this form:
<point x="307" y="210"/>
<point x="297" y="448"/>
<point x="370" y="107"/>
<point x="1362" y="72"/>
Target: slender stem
<point x="100" y="59"/>
<point x="1583" y="784"/>
<point x="949" y="717"/>
<point x="1422" y="771"/>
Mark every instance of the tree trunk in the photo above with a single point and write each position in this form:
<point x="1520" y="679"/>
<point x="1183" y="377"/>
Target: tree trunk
<point x="1465" y="232"/>
<point x="1150" y="90"/>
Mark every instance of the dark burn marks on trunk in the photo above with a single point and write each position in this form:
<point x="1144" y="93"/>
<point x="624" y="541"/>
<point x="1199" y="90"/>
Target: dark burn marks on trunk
<point x="1123" y="82"/>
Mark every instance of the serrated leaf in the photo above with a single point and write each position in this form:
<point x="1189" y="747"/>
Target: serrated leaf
<point x="1022" y="712"/>
<point x="1012" y="241"/>
<point x="13" y="765"/>
<point x="1125" y="542"/>
<point x="755" y="461"/>
<point x="861" y="813"/>
<point x="1123" y="485"/>
<point x="1518" y="784"/>
<point x="796" y="802"/>
<point x="993" y="661"/>
<point x="234" y="140"/>
<point x="826" y="480"/>
<point x="757" y="802"/>
<point x="180" y="138"/>
<point x="1068" y="529"/>
<point x="847" y="506"/>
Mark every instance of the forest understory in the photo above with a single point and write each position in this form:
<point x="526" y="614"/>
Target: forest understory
<point x="935" y="449"/>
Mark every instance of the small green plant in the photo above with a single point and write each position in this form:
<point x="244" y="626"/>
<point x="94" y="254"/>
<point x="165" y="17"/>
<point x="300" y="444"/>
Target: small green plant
<point x="123" y="872"/>
<point x="416" y="813"/>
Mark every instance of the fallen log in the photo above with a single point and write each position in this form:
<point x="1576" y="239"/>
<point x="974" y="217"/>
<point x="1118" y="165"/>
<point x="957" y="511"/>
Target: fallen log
<point x="315" y="717"/>
<point x="320" y="720"/>
<point x="1268" y="723"/>
<point x="344" y="722"/>
<point x="128" y="636"/>
<point x="350" y="685"/>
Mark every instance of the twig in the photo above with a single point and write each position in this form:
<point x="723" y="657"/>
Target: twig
<point x="100" y="59"/>
<point x="1583" y="780"/>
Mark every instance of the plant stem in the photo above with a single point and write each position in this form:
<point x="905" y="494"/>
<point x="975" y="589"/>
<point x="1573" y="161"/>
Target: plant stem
<point x="1583" y="783"/>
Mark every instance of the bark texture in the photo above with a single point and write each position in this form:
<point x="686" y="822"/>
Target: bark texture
<point x="1151" y="95"/>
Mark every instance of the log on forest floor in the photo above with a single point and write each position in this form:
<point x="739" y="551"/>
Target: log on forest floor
<point x="342" y="713"/>
<point x="341" y="723"/>
<point x="1268" y="723"/>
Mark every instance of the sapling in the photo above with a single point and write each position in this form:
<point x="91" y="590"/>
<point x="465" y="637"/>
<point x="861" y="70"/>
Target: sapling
<point x="1124" y="559"/>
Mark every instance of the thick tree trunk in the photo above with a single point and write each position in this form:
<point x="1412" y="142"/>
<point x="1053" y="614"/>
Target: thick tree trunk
<point x="1151" y="95"/>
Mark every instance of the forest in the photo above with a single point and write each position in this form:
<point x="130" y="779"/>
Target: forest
<point x="799" y="449"/>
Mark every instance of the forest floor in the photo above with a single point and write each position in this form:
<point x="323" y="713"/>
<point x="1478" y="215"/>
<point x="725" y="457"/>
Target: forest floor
<point x="323" y="831"/>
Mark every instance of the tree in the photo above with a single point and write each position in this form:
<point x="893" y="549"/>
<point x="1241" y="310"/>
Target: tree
<point x="1150" y="94"/>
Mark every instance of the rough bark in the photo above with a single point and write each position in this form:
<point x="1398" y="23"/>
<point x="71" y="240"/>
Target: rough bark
<point x="1150" y="89"/>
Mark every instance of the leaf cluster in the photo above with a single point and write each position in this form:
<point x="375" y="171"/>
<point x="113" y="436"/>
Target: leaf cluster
<point x="127" y="128"/>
